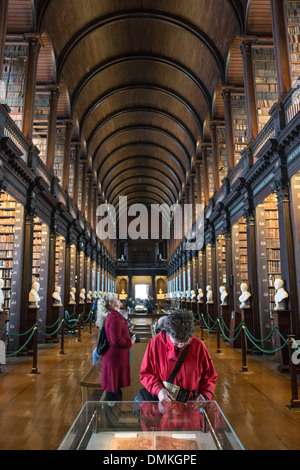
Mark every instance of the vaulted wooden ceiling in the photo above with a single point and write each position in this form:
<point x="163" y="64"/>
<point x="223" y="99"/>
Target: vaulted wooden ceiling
<point x="140" y="78"/>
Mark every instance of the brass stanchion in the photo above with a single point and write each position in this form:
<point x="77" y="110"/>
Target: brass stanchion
<point x="202" y="327"/>
<point x="218" y="336"/>
<point x="295" y="402"/>
<point x="34" y="369"/>
<point x="79" y="328"/>
<point x="62" y="339"/>
<point x="244" y="349"/>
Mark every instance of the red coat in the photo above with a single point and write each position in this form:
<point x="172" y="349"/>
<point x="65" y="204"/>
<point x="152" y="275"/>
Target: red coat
<point x="115" y="362"/>
<point x="196" y="373"/>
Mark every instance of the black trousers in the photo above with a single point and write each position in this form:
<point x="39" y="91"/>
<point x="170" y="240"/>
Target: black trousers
<point x="114" y="396"/>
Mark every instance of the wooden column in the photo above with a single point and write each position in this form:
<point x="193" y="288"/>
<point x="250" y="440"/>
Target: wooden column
<point x="198" y="183"/>
<point x="83" y="187"/>
<point x="229" y="263"/>
<point x="205" y="169"/>
<point x="215" y="155"/>
<point x="287" y="253"/>
<point x="281" y="47"/>
<point x="249" y="214"/>
<point x="33" y="54"/>
<point x="52" y="127"/>
<point x="27" y="262"/>
<point x="95" y="202"/>
<point x="76" y="173"/>
<point x="90" y="195"/>
<point x="67" y="286"/>
<point x="3" y="21"/>
<point x="228" y="129"/>
<point x="51" y="271"/>
<point x="183" y="201"/>
<point x="66" y="169"/>
<point x="193" y="194"/>
<point x="246" y="48"/>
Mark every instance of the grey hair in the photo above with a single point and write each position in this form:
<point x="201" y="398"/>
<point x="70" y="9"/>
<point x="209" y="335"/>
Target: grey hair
<point x="180" y="326"/>
<point x="103" y="308"/>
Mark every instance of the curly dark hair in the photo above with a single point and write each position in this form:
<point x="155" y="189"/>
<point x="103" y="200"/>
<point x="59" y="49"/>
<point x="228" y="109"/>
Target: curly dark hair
<point x="180" y="326"/>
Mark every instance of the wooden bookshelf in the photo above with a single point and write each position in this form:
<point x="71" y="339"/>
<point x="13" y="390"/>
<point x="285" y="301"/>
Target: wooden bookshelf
<point x="269" y="263"/>
<point x="14" y="78"/>
<point x="40" y="122"/>
<point x="209" y="279"/>
<point x="240" y="258"/>
<point x="7" y="238"/>
<point x="292" y="9"/>
<point x="239" y="118"/>
<point x="210" y="174"/>
<point x="59" y="153"/>
<point x="73" y="266"/>
<point x="265" y="83"/>
<point x="222" y="153"/>
<point x="60" y="254"/>
<point x="272" y="245"/>
<point x="40" y="263"/>
<point x="71" y="174"/>
<point x="221" y="261"/>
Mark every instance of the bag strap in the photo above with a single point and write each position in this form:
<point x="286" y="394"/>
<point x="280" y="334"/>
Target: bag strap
<point x="178" y="364"/>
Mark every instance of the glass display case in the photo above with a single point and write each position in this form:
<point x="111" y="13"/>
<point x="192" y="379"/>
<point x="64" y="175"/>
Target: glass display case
<point x="149" y="426"/>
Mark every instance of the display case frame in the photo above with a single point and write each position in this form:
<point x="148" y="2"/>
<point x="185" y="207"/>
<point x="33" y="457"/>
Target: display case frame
<point x="150" y="426"/>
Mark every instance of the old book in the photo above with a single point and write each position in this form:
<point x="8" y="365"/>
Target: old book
<point x="171" y="443"/>
<point x="136" y="443"/>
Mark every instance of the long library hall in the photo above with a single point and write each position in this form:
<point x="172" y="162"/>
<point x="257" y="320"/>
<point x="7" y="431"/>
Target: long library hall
<point x="149" y="156"/>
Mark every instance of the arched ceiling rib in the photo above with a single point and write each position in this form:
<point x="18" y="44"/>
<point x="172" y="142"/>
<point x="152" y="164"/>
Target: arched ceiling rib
<point x="141" y="77"/>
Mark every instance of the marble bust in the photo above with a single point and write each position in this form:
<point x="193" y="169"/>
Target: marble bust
<point x="209" y="295"/>
<point x="245" y="296"/>
<point x="56" y="297"/>
<point x="82" y="296"/>
<point x="280" y="296"/>
<point x="200" y="295"/>
<point x="72" y="296"/>
<point x="193" y="296"/>
<point x="34" y="297"/>
<point x="89" y="296"/>
<point x="1" y="295"/>
<point x="223" y="295"/>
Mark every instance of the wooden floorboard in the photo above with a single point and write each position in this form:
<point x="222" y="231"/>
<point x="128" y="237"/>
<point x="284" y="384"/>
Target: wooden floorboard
<point x="38" y="410"/>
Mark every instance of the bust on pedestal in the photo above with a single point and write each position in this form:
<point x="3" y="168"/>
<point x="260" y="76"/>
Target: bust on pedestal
<point x="200" y="296"/>
<point x="244" y="297"/>
<point x="72" y="298"/>
<point x="280" y="296"/>
<point x="89" y="297"/>
<point x="82" y="296"/>
<point x="209" y="295"/>
<point x="56" y="297"/>
<point x="224" y="296"/>
<point x="57" y="303"/>
<point x="32" y="317"/>
<point x="34" y="297"/>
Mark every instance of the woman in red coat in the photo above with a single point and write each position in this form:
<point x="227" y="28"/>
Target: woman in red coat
<point x="197" y="373"/>
<point x="115" y="362"/>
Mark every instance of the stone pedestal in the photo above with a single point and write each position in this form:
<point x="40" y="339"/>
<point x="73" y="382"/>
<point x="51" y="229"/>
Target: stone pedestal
<point x="235" y="320"/>
<point x="225" y="323"/>
<point x="247" y="317"/>
<point x="55" y="322"/>
<point x="211" y="315"/>
<point x="32" y="318"/>
<point x="282" y="320"/>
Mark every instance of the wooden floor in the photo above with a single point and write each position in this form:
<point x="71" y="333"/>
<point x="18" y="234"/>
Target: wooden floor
<point x="38" y="410"/>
